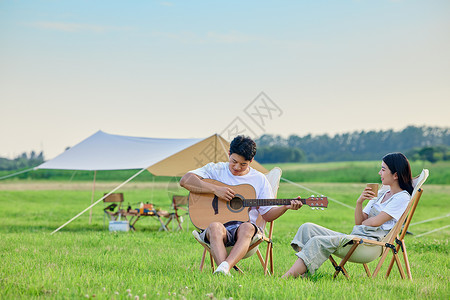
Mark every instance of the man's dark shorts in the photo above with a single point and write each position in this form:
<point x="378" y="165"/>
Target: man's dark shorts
<point x="231" y="228"/>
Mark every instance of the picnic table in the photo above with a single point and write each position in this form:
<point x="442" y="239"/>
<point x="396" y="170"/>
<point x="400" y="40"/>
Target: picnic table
<point x="136" y="214"/>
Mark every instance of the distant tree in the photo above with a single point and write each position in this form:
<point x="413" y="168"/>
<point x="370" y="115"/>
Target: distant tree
<point x="279" y="154"/>
<point x="21" y="161"/>
<point x="363" y="145"/>
<point x="431" y="154"/>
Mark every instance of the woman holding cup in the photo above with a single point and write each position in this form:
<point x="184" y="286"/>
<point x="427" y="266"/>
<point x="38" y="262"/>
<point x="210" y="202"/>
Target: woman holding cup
<point x="315" y="243"/>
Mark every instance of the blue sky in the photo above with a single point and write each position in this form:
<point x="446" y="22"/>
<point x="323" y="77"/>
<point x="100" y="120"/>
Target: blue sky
<point x="193" y="68"/>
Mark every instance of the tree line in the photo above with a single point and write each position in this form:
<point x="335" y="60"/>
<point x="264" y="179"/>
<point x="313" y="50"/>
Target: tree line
<point x="22" y="161"/>
<point x="418" y="143"/>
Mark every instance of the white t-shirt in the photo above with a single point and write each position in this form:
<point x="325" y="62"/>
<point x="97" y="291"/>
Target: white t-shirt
<point x="394" y="206"/>
<point x="221" y="172"/>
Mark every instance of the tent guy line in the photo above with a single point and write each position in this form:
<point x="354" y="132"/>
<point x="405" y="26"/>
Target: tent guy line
<point x="18" y="173"/>
<point x="312" y="191"/>
<point x="434" y="230"/>
<point x="95" y="203"/>
<point x="432" y="219"/>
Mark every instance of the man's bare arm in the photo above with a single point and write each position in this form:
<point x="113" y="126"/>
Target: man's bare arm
<point x="195" y="184"/>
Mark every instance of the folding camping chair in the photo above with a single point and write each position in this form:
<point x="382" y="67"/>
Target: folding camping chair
<point x="115" y="201"/>
<point x="178" y="202"/>
<point x="274" y="178"/>
<point x="363" y="251"/>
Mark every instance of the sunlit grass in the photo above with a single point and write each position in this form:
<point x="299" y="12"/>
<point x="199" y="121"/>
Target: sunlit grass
<point x="85" y="260"/>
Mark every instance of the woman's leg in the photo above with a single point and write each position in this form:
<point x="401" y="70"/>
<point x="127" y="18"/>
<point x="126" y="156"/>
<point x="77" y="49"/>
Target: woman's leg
<point x="307" y="231"/>
<point x="315" y="244"/>
<point x="318" y="249"/>
<point x="298" y="268"/>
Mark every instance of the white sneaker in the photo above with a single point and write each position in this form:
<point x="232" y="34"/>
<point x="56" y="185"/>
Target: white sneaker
<point x="223" y="269"/>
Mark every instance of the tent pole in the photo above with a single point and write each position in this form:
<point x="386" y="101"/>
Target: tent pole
<point x="92" y="197"/>
<point x="223" y="146"/>
<point x="95" y="203"/>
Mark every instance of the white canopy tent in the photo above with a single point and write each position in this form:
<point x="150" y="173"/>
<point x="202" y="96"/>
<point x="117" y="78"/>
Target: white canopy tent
<point x="161" y="157"/>
<point x="103" y="151"/>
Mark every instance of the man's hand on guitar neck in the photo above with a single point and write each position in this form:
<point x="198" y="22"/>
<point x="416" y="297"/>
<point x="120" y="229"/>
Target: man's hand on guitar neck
<point x="295" y="204"/>
<point x="277" y="212"/>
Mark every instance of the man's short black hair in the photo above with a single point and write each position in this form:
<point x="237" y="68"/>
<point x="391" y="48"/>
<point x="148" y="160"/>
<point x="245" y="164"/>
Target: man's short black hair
<point x="243" y="146"/>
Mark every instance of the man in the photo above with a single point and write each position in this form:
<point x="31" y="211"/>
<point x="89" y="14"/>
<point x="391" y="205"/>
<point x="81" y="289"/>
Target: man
<point x="236" y="171"/>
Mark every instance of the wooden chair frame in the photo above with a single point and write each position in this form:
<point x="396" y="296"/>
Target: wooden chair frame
<point x="394" y="241"/>
<point x="267" y="262"/>
<point x="178" y="202"/>
<point x="111" y="210"/>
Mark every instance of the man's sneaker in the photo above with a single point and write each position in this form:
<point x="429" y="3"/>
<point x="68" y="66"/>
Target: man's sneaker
<point x="223" y="269"/>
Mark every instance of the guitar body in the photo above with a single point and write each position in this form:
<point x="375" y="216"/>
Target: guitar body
<point x="207" y="208"/>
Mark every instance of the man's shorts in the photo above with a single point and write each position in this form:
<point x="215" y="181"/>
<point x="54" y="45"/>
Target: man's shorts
<point x="231" y="228"/>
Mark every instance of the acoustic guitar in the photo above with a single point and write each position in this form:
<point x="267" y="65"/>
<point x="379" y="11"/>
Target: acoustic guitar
<point x="207" y="208"/>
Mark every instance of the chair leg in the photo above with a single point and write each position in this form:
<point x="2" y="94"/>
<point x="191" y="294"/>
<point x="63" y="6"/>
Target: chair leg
<point x="179" y="222"/>
<point x="399" y="266"/>
<point x="334" y="263"/>
<point x="341" y="268"/>
<point x="405" y="257"/>
<point x="380" y="263"/>
<point x="163" y="226"/>
<point x="211" y="259"/>
<point x="169" y="219"/>
<point x="262" y="261"/>
<point x="397" y="260"/>
<point x="367" y="270"/>
<point x="269" y="259"/>
<point x="238" y="269"/>
<point x="338" y="268"/>
<point x="133" y="222"/>
<point x="202" y="263"/>
<point x="203" y="260"/>
<point x="391" y="264"/>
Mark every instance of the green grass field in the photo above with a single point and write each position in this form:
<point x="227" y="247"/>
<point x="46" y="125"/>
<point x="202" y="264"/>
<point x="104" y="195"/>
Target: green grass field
<point x="360" y="171"/>
<point x="85" y="260"/>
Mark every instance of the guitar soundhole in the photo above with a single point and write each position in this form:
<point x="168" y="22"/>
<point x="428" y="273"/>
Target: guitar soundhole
<point x="236" y="204"/>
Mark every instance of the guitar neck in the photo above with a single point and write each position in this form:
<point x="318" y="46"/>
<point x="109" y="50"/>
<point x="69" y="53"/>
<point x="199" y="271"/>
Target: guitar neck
<point x="269" y="202"/>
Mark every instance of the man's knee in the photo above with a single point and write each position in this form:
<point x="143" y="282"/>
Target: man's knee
<point x="215" y="230"/>
<point x="246" y="230"/>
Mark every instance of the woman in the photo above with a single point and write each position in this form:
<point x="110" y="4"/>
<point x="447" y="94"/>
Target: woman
<point x="315" y="243"/>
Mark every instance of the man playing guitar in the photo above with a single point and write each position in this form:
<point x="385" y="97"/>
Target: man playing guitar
<point x="235" y="172"/>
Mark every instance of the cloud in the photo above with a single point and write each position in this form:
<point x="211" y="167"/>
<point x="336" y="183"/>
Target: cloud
<point x="208" y="37"/>
<point x="230" y="38"/>
<point x="166" y="3"/>
<point x="76" y="27"/>
<point x="185" y="37"/>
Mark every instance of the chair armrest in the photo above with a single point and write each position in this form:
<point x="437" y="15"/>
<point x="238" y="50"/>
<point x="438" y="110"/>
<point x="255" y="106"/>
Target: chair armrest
<point x="367" y="241"/>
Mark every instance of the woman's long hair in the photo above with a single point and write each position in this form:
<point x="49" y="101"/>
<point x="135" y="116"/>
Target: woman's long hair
<point x="398" y="163"/>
